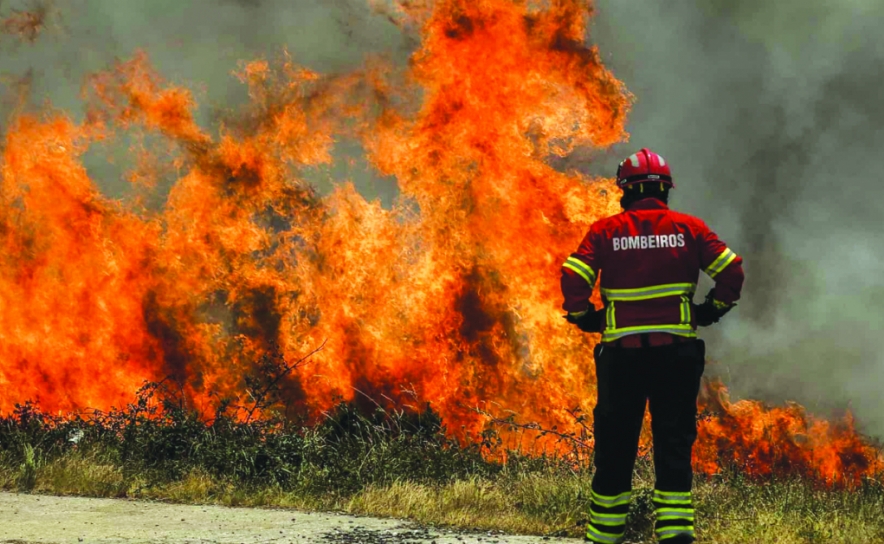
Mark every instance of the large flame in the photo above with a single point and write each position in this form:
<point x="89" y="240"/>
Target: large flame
<point x="451" y="296"/>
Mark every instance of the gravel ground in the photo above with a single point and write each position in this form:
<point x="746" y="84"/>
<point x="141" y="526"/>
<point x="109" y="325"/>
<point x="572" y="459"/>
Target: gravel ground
<point x="26" y="519"/>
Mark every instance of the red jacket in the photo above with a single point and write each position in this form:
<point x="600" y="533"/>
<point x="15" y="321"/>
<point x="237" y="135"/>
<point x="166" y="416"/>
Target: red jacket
<point x="649" y="258"/>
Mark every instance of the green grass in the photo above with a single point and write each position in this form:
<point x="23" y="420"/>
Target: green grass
<point x="390" y="463"/>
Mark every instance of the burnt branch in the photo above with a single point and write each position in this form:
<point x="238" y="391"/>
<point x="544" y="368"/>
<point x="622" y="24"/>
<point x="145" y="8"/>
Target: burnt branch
<point x="262" y="391"/>
<point x="581" y="440"/>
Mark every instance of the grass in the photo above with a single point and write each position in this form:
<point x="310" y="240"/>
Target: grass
<point x="390" y="463"/>
<point x="544" y="502"/>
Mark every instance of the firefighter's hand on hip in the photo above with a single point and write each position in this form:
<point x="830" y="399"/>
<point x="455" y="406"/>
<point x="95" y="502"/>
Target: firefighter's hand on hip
<point x="711" y="311"/>
<point x="588" y="321"/>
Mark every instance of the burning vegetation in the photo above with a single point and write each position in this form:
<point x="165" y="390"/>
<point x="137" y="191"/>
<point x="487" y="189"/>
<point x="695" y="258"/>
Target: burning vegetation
<point x="449" y="297"/>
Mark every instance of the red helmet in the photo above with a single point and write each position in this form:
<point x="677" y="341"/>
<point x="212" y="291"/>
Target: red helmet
<point x="644" y="166"/>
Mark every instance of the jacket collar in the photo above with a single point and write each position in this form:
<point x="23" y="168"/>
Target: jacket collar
<point x="649" y="203"/>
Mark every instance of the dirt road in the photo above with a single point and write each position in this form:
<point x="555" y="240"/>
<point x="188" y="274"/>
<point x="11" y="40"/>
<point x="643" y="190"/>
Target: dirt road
<point x="26" y="519"/>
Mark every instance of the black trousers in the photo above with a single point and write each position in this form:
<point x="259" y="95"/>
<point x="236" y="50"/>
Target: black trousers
<point x="667" y="378"/>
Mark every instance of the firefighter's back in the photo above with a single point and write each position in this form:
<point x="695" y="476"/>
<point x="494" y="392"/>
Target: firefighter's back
<point x="650" y="257"/>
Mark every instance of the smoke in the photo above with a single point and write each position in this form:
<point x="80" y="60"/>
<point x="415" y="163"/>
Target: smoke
<point x="770" y="114"/>
<point x="195" y="45"/>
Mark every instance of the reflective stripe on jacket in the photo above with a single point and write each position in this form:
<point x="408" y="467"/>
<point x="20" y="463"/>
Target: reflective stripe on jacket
<point x="648" y="259"/>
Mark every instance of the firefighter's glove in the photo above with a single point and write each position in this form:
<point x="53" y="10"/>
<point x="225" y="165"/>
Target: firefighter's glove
<point x="588" y="321"/>
<point x="711" y="311"/>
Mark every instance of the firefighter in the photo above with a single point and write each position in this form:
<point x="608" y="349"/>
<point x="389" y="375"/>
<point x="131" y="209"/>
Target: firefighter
<point x="648" y="259"/>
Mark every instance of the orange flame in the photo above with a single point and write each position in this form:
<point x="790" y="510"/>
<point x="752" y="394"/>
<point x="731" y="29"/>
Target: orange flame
<point x="451" y="294"/>
<point x="780" y="440"/>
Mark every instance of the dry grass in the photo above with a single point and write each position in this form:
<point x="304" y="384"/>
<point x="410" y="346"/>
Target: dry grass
<point x="731" y="509"/>
<point x="530" y="504"/>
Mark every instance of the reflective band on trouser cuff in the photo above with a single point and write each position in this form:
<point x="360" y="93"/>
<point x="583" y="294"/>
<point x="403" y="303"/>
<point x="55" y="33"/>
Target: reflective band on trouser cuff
<point x="581" y="269"/>
<point x="665" y="514"/>
<point x="727" y="257"/>
<point x="611" y="500"/>
<point x="672" y="497"/>
<point x="607" y="519"/>
<point x="652" y="291"/>
<point x="595" y="535"/>
<point x="679" y="330"/>
<point x="669" y="532"/>
<point x="675" y="515"/>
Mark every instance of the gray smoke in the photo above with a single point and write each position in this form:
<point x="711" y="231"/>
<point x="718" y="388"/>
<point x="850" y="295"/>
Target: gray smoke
<point x="771" y="115"/>
<point x="196" y="44"/>
<point x="769" y="112"/>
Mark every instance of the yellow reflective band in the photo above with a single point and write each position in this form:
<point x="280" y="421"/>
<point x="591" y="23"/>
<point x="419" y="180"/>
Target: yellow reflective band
<point x="615" y="518"/>
<point x="578" y="314"/>
<point x="673" y="501"/>
<point x="580" y="264"/>
<point x="577" y="263"/>
<point x="719" y="304"/>
<point x="725" y="265"/>
<point x="669" y="532"/>
<point x="727" y="257"/>
<point x="669" y="511"/>
<point x="611" y="318"/>
<point x="667" y="494"/>
<point x="718" y="260"/>
<point x="607" y="538"/>
<point x="669" y="514"/>
<point x="582" y="269"/>
<point x="647" y="293"/>
<point x="579" y="272"/>
<point x="685" y="310"/>
<point x="607" y="519"/>
<point x="609" y="500"/>
<point x="679" y="330"/>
